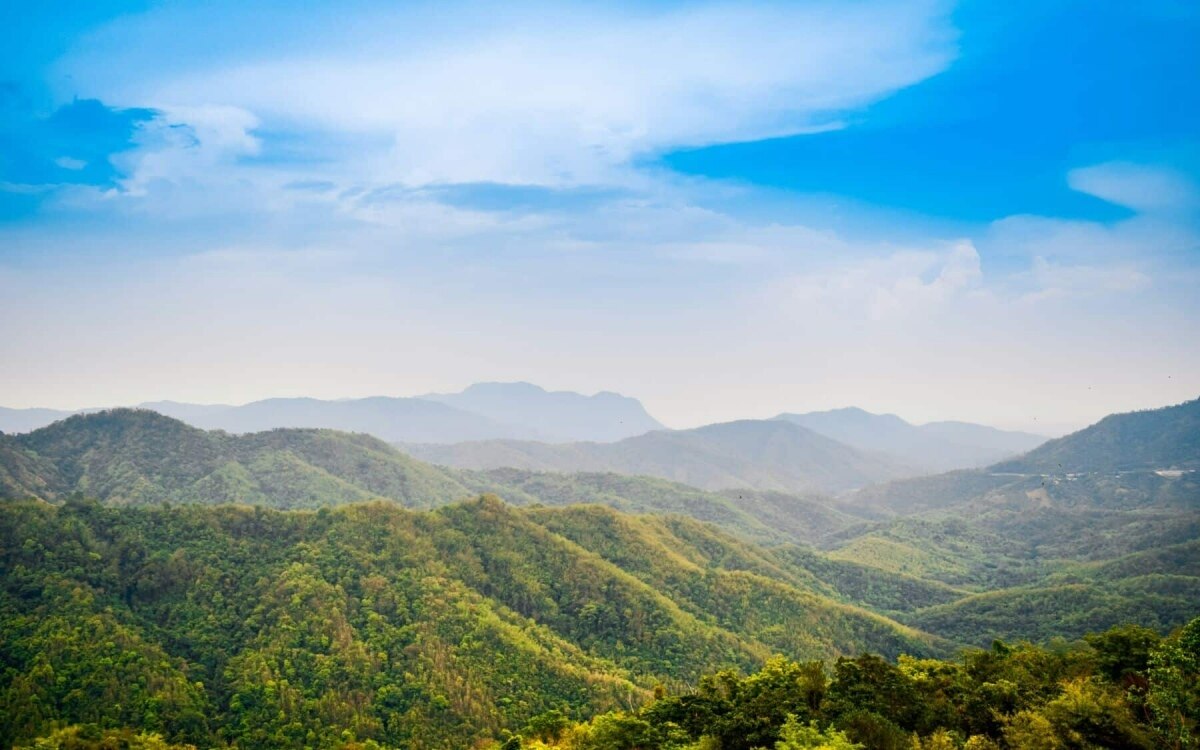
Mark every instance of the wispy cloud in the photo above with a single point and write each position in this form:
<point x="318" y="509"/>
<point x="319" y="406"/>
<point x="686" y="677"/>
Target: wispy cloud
<point x="1143" y="187"/>
<point x="891" y="287"/>
<point x="567" y="96"/>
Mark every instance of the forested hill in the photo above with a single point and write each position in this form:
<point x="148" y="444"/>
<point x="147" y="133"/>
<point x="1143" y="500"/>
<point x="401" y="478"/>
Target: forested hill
<point x="748" y="454"/>
<point x="429" y="629"/>
<point x="1167" y="438"/>
<point x="132" y="457"/>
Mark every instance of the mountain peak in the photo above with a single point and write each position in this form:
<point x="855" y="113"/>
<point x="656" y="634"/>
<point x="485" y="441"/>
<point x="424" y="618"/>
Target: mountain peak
<point x="557" y="416"/>
<point x="496" y="386"/>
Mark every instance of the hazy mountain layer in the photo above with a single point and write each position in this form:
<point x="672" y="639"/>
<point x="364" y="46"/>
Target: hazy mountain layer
<point x="481" y="412"/>
<point x="936" y="446"/>
<point x="554" y="415"/>
<point x="750" y="454"/>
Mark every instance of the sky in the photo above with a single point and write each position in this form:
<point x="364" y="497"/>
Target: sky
<point x="980" y="211"/>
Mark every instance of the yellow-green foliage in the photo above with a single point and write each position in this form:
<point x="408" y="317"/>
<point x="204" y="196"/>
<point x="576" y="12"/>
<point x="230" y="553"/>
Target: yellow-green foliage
<point x="423" y="629"/>
<point x="1125" y="691"/>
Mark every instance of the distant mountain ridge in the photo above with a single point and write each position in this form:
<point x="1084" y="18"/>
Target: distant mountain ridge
<point x="388" y="418"/>
<point x="748" y="454"/>
<point x="936" y="446"/>
<point x="560" y="416"/>
<point x="481" y="412"/>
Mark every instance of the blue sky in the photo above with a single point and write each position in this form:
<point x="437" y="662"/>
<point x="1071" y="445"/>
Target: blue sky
<point x="978" y="210"/>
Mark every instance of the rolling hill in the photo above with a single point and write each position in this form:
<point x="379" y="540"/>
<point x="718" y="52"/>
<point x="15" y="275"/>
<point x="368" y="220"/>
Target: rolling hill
<point x="414" y="628"/>
<point x="1024" y="534"/>
<point x="129" y="456"/>
<point x="747" y="454"/>
<point x="1122" y="460"/>
<point x="993" y="548"/>
<point x="138" y="457"/>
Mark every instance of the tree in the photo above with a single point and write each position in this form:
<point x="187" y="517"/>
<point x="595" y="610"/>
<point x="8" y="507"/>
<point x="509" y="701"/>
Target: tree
<point x="1174" y="694"/>
<point x="795" y="735"/>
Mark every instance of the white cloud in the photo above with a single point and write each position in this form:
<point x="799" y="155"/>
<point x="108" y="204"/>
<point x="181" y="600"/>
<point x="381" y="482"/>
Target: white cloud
<point x="1054" y="280"/>
<point x="887" y="287"/>
<point x="1142" y="239"/>
<point x="566" y="99"/>
<point x="1145" y="188"/>
<point x="187" y="143"/>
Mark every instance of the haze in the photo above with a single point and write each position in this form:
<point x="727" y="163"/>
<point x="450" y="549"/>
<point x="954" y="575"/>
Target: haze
<point x="947" y="212"/>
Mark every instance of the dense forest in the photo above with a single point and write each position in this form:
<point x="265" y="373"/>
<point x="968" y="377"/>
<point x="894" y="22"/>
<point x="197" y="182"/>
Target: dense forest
<point x="416" y="628"/>
<point x="1124" y="688"/>
<point x="482" y="625"/>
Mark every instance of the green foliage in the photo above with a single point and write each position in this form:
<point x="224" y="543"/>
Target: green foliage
<point x="1019" y="697"/>
<point x="91" y="737"/>
<point x="1174" y="697"/>
<point x="1155" y="439"/>
<point x="260" y="628"/>
<point x="1031" y="557"/>
<point x="796" y="736"/>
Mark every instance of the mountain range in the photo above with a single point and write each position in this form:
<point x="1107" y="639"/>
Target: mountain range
<point x="514" y="417"/>
<point x="935" y="446"/>
<point x="556" y="416"/>
<point x="482" y="411"/>
<point x="747" y="454"/>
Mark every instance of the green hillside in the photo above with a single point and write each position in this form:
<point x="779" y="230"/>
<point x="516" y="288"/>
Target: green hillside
<point x="1126" y="688"/>
<point x="412" y="628"/>
<point x="128" y="456"/>
<point x="1167" y="438"/>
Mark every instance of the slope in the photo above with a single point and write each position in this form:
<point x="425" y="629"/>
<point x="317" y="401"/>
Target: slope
<point x="427" y="629"/>
<point x="750" y="454"/>
<point x="128" y="456"/>
<point x="1156" y="439"/>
